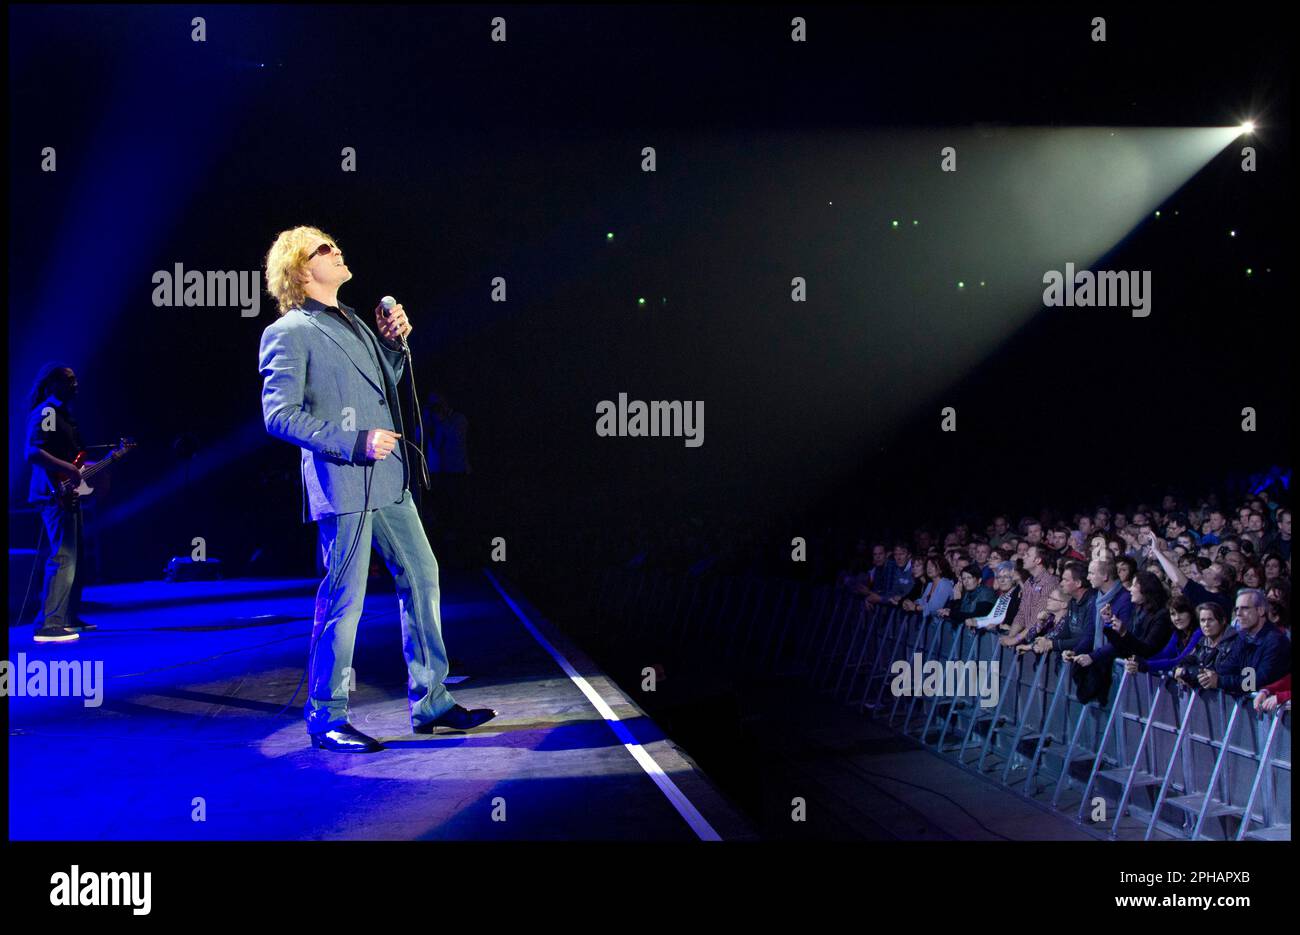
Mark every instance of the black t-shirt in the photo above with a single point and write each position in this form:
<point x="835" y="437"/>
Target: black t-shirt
<point x="51" y="427"/>
<point x="1198" y="594"/>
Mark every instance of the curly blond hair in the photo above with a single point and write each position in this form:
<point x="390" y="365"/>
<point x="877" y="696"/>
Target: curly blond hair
<point x="285" y="262"/>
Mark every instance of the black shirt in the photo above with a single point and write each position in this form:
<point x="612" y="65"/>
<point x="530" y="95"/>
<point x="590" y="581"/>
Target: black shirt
<point x="60" y="438"/>
<point x="364" y="334"/>
<point x="358" y="329"/>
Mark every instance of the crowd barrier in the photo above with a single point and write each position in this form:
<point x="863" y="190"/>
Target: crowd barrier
<point x="1154" y="756"/>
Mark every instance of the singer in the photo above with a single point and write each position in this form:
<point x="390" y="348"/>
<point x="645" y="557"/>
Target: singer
<point x="329" y="387"/>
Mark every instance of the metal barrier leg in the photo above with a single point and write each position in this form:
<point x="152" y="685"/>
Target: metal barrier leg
<point x="853" y="630"/>
<point x="1087" y="711"/>
<point x="885" y="653"/>
<point x="1101" y="743"/>
<point x="975" y="705"/>
<point x="879" y="627"/>
<point x="934" y="702"/>
<point x="1143" y="750"/>
<point x="830" y="641"/>
<point x="900" y="623"/>
<point x="952" y="704"/>
<point x="997" y="712"/>
<point x="1265" y="763"/>
<point x="1059" y="696"/>
<point x="935" y="633"/>
<point x="1225" y="778"/>
<point x="852" y="660"/>
<point x="1169" y="770"/>
<point x="848" y="611"/>
<point x="1214" y="775"/>
<point x="886" y="636"/>
<point x="809" y="655"/>
<point x="921" y="623"/>
<point x="1040" y="666"/>
<point x="867" y="622"/>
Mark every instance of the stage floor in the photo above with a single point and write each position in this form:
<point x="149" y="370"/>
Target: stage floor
<point x="196" y="677"/>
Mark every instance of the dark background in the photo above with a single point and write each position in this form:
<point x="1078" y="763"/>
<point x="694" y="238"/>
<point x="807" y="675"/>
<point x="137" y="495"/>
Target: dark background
<point x="478" y="160"/>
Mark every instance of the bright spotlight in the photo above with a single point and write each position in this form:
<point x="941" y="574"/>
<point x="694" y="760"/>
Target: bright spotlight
<point x="1248" y="126"/>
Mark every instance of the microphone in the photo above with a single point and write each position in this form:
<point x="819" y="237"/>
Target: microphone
<point x="387" y="302"/>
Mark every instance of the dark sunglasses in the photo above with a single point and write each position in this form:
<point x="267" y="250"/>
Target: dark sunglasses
<point x="324" y="249"/>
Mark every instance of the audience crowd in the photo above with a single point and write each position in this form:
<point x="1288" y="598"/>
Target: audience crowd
<point x="1201" y="595"/>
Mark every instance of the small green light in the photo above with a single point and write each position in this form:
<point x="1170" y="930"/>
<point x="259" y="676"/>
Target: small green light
<point x="960" y="284"/>
<point x="915" y="222"/>
<point x="1249" y="271"/>
<point x="1232" y="233"/>
<point x="640" y="301"/>
<point x="893" y="223"/>
<point x="1157" y="214"/>
<point x="981" y="284"/>
<point x="609" y="236"/>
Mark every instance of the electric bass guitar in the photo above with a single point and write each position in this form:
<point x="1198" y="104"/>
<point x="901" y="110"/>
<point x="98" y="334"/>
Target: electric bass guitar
<point x="70" y="491"/>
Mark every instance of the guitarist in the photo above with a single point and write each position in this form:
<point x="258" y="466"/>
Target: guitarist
<point x="53" y="443"/>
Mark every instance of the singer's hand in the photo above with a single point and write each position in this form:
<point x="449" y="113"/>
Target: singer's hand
<point x="394" y="327"/>
<point x="380" y="443"/>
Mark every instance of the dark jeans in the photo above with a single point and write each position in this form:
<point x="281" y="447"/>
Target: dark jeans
<point x="397" y="532"/>
<point x="65" y="568"/>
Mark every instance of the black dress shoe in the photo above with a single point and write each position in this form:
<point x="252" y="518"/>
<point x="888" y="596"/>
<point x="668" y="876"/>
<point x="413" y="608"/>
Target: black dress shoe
<point x="458" y="718"/>
<point x="345" y="739"/>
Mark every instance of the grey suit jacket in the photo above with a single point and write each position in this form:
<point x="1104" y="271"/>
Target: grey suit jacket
<point x="322" y="392"/>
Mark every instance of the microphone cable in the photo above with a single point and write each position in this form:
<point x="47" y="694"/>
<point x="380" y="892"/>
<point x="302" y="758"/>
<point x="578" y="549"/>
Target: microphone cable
<point x="419" y="418"/>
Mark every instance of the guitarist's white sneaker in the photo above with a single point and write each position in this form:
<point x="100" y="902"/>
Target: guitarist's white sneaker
<point x="56" y="635"/>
